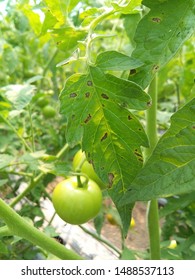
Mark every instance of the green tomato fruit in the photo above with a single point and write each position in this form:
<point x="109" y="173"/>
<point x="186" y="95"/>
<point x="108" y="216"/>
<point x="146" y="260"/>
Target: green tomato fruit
<point x="77" y="205"/>
<point x="48" y="112"/>
<point x="86" y="168"/>
<point x="42" y="101"/>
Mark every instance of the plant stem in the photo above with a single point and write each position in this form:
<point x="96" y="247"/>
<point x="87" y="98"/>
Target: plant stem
<point x="151" y="130"/>
<point x="20" y="227"/>
<point x="31" y="128"/>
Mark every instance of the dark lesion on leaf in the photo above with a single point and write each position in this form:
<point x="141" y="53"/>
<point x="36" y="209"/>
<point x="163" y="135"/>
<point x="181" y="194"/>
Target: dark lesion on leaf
<point x="89" y="83"/>
<point x="138" y="155"/>
<point x="149" y="103"/>
<point x="73" y="117"/>
<point x="155" y="68"/>
<point x="132" y="72"/>
<point x="129" y="117"/>
<point x="105" y="96"/>
<point x="110" y="179"/>
<point x="87" y="94"/>
<point x="104" y="136"/>
<point x="88" y="118"/>
<point x="156" y="19"/>
<point x="73" y="95"/>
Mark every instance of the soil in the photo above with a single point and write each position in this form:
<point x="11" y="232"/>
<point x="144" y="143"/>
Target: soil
<point x="137" y="238"/>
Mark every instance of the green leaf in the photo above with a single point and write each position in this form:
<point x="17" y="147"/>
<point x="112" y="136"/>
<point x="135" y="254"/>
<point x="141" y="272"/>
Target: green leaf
<point x="170" y="169"/>
<point x="48" y="23"/>
<point x="5" y="160"/>
<point x="97" y="107"/>
<point x="18" y="95"/>
<point x="160" y="34"/>
<point x="67" y="37"/>
<point x="58" y="9"/>
<point x="112" y="60"/>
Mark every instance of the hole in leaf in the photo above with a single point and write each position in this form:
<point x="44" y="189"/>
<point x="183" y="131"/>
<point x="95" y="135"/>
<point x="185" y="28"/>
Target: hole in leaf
<point x="89" y="83"/>
<point x="73" y="94"/>
<point x="104" y="137"/>
<point x="87" y="94"/>
<point x="103" y="95"/>
<point x="156" y="19"/>
<point x="87" y="119"/>
<point x="110" y="179"/>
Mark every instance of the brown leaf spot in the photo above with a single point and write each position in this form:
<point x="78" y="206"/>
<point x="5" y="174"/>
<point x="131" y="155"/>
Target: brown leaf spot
<point x="103" y="95"/>
<point x="193" y="127"/>
<point x="129" y="117"/>
<point x="132" y="72"/>
<point x="155" y="68"/>
<point x="156" y="19"/>
<point x="104" y="137"/>
<point x="110" y="179"/>
<point x="87" y="119"/>
<point x="73" y="94"/>
<point x="87" y="94"/>
<point x="89" y="83"/>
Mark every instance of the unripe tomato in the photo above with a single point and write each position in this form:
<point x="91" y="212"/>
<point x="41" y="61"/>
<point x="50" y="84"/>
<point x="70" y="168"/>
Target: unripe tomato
<point x="42" y="101"/>
<point x="86" y="168"/>
<point x="74" y="204"/>
<point x="48" y="112"/>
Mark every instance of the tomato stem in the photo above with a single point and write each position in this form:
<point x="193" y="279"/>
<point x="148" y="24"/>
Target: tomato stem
<point x="20" y="227"/>
<point x="151" y="130"/>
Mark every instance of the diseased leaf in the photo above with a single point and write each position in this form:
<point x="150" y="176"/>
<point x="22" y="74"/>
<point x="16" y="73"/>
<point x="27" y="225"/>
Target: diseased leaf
<point x="160" y="34"/>
<point x="97" y="107"/>
<point x="67" y="37"/>
<point x="58" y="9"/>
<point x="112" y="60"/>
<point x="171" y="168"/>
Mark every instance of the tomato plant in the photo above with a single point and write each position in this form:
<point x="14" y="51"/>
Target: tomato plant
<point x="77" y="202"/>
<point x="120" y="76"/>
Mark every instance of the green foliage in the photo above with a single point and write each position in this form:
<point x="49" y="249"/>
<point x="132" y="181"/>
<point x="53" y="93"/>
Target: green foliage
<point x="107" y="54"/>
<point x="169" y="170"/>
<point x="159" y="35"/>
